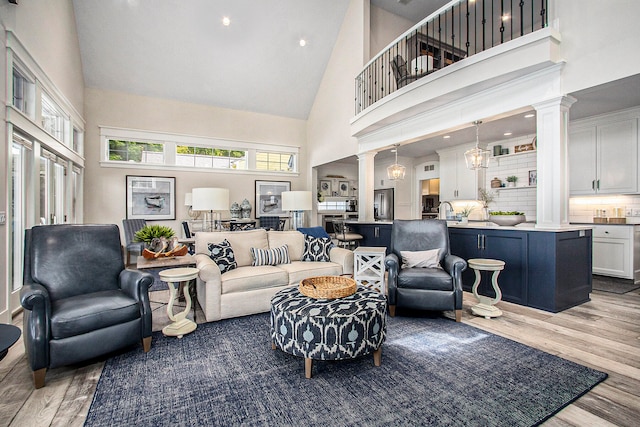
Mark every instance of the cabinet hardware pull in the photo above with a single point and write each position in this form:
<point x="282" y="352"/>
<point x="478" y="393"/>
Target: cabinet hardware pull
<point x="598" y="186"/>
<point x="593" y="184"/>
<point x="376" y="231"/>
<point x="478" y="241"/>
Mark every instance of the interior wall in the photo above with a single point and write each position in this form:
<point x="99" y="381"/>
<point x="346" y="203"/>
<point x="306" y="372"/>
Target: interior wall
<point x="328" y="130"/>
<point x="385" y="27"/>
<point x="599" y="41"/>
<point x="105" y="108"/>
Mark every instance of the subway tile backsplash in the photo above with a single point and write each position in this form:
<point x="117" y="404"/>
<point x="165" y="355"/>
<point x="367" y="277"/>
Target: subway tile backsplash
<point x="523" y="197"/>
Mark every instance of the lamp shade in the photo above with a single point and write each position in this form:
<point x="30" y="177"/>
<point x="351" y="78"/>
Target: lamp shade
<point x="296" y="200"/>
<point x="210" y="199"/>
<point x="188" y="199"/>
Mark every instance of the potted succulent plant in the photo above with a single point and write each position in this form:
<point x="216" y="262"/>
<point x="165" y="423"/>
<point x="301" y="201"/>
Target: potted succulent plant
<point x="149" y="232"/>
<point x="464" y="214"/>
<point x="160" y="241"/>
<point x="511" y="181"/>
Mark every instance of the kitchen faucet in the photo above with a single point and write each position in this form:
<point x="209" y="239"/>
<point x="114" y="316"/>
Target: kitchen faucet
<point x="446" y="210"/>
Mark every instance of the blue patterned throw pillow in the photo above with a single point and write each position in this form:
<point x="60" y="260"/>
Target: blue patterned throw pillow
<point x="273" y="256"/>
<point x="222" y="254"/>
<point x="316" y="248"/>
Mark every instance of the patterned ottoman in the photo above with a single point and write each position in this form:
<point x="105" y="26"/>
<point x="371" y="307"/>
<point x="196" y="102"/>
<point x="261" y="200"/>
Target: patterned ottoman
<point x="329" y="329"/>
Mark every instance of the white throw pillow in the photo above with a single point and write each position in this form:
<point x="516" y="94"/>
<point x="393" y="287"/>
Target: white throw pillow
<point x="423" y="259"/>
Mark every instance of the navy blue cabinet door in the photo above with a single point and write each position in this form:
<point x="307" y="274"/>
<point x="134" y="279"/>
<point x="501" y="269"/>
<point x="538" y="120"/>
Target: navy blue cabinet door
<point x="375" y="235"/>
<point x="506" y="245"/>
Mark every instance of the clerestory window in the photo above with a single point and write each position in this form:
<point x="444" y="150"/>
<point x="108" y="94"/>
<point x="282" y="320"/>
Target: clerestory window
<point x="209" y="157"/>
<point x="136" y="151"/>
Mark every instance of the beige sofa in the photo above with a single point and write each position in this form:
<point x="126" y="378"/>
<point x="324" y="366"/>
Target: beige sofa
<point x="248" y="289"/>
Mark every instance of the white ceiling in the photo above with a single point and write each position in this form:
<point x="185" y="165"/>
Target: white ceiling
<point x="180" y="50"/>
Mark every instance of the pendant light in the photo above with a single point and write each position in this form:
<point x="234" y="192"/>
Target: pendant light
<point x="477" y="158"/>
<point x="396" y="171"/>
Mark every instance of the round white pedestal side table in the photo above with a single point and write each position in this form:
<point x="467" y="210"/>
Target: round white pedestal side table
<point x="486" y="307"/>
<point x="179" y="278"/>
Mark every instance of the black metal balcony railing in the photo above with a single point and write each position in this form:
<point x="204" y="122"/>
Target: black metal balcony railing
<point x="461" y="30"/>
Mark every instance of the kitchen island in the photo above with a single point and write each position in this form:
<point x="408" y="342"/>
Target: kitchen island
<point x="549" y="269"/>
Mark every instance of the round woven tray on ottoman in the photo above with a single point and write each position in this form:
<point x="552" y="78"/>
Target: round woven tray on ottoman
<point x="328" y="287"/>
<point x="329" y="329"/>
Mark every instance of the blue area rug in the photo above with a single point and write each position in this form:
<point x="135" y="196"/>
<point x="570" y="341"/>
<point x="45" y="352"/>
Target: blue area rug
<point x="158" y="285"/>
<point x="434" y="372"/>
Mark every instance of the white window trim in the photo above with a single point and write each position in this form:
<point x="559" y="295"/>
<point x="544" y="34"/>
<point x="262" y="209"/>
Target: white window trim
<point x="171" y="141"/>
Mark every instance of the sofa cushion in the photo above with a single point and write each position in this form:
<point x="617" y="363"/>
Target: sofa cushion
<point x="299" y="270"/>
<point x="316" y="248"/>
<point x="273" y="256"/>
<point x="241" y="242"/>
<point x="222" y="254"/>
<point x="251" y="278"/>
<point x="84" y="313"/>
<point x="293" y="239"/>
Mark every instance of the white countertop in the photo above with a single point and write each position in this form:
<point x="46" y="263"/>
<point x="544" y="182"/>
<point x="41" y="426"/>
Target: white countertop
<point x="525" y="226"/>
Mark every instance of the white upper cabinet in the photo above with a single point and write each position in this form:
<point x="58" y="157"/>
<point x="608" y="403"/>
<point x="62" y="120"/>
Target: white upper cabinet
<point x="603" y="157"/>
<point x="456" y="181"/>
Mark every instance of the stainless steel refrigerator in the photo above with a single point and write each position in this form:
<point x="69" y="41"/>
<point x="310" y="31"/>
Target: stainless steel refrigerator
<point x="383" y="204"/>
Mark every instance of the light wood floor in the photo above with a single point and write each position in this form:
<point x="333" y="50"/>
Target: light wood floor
<point x="603" y="334"/>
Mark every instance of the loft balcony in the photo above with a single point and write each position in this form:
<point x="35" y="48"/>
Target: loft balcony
<point x="462" y="49"/>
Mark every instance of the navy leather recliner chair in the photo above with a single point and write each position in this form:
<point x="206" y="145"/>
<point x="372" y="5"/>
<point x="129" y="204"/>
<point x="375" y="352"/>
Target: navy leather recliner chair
<point x="80" y="302"/>
<point x="437" y="289"/>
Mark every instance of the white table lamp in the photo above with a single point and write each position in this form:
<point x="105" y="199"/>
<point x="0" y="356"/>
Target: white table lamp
<point x="296" y="202"/>
<point x="211" y="201"/>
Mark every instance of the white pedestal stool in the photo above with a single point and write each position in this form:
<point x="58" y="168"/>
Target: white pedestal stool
<point x="486" y="306"/>
<point x="179" y="278"/>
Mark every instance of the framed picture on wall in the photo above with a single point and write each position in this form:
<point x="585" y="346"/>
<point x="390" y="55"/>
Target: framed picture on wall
<point x="325" y="187"/>
<point x="343" y="188"/>
<point x="533" y="178"/>
<point x="269" y="197"/>
<point x="151" y="197"/>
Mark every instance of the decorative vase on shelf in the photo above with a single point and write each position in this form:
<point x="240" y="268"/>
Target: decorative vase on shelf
<point x="246" y="209"/>
<point x="235" y="210"/>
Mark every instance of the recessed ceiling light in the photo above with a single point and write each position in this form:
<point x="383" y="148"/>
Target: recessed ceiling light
<point x="226" y="21"/>
<point x="528" y="116"/>
<point x="447" y="136"/>
<point x="506" y="17"/>
<point x="303" y="42"/>
<point x="508" y="133"/>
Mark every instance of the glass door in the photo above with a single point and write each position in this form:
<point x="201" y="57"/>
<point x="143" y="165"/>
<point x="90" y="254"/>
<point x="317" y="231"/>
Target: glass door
<point x="20" y="170"/>
<point x="52" y="189"/>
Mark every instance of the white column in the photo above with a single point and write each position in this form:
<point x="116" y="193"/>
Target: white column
<point x="366" y="169"/>
<point x="553" y="162"/>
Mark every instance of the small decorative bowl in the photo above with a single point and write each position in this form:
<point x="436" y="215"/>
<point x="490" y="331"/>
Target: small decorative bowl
<point x="507" y="219"/>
